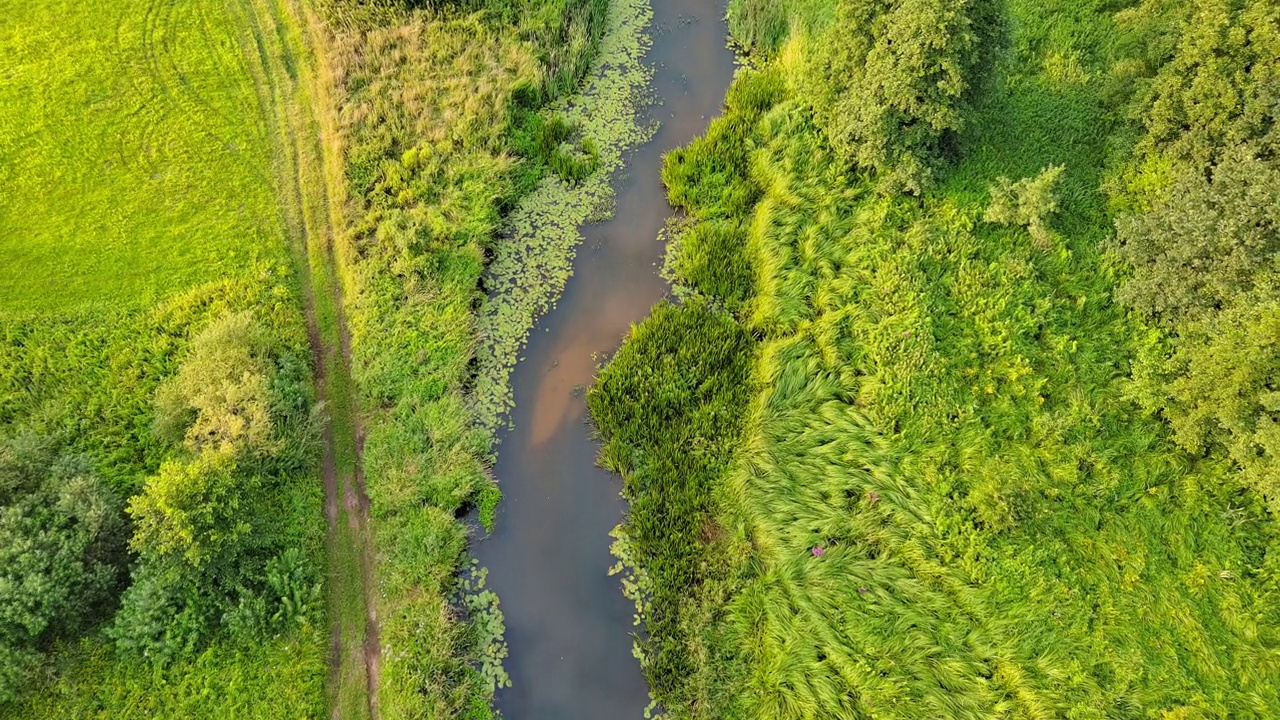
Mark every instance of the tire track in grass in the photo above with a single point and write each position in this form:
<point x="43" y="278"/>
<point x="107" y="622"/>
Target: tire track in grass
<point x="292" y="102"/>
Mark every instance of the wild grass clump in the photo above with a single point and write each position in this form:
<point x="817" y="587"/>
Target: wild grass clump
<point x="666" y="407"/>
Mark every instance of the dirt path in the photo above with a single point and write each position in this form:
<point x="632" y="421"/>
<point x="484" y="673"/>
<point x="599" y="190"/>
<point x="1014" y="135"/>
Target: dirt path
<point x="308" y="178"/>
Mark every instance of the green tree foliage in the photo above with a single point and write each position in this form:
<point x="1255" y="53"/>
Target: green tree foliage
<point x="61" y="547"/>
<point x="1204" y="246"/>
<point x="1209" y="243"/>
<point x="219" y="401"/>
<point x="209" y="553"/>
<point x="1222" y="385"/>
<point x="192" y="513"/>
<point x="1222" y="86"/>
<point x="1029" y="203"/>
<point x="889" y="79"/>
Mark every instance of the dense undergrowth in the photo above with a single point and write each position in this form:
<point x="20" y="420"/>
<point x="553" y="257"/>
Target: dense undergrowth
<point x="442" y="130"/>
<point x="541" y="234"/>
<point x="183" y="432"/>
<point x="883" y="459"/>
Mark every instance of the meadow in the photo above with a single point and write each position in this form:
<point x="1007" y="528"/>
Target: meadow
<point x="163" y="517"/>
<point x="134" y="159"/>
<point x="901" y="449"/>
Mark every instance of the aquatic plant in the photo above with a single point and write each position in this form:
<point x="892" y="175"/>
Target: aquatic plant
<point x="533" y="257"/>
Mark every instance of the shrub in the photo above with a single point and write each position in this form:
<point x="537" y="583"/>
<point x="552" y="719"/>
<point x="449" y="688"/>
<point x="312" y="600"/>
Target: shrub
<point x="1028" y="202"/>
<point x="889" y="79"/>
<point x="61" y="547"/>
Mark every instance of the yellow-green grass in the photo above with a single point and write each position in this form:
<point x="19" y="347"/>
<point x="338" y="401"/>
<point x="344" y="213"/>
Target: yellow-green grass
<point x="134" y="160"/>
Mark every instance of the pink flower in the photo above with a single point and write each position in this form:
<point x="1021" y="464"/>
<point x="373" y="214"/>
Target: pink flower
<point x="818" y="551"/>
<point x="873" y="497"/>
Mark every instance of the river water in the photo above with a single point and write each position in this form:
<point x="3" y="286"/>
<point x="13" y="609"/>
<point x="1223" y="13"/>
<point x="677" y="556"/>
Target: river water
<point x="568" y="625"/>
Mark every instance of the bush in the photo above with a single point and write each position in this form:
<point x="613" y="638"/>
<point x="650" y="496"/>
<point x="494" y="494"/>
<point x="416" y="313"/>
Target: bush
<point x="61" y="550"/>
<point x="210" y="551"/>
<point x="888" y="81"/>
<point x="1029" y="203"/>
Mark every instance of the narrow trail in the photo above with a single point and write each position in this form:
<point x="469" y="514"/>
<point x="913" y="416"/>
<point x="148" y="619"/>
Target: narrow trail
<point x="284" y="35"/>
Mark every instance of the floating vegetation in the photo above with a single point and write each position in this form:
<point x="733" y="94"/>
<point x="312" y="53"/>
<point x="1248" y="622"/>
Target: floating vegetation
<point x="534" y="258"/>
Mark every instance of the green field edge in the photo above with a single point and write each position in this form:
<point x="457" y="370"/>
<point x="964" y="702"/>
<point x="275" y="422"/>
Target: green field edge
<point x="284" y="38"/>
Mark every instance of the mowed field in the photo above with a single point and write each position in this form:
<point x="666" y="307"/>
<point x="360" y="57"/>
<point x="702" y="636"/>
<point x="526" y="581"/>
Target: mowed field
<point x="133" y="156"/>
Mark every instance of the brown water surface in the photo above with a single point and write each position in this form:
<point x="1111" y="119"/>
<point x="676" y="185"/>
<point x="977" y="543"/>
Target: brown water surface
<point x="568" y="625"/>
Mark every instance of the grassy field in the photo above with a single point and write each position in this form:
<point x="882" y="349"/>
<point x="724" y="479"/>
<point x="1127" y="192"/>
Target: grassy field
<point x="940" y="500"/>
<point x="134" y="160"/>
<point x="138" y="207"/>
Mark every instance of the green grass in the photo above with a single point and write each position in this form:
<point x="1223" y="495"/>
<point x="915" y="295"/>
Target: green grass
<point x="222" y="682"/>
<point x="940" y="502"/>
<point x="133" y="158"/>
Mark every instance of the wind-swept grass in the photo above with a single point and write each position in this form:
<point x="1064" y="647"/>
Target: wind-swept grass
<point x="940" y="502"/>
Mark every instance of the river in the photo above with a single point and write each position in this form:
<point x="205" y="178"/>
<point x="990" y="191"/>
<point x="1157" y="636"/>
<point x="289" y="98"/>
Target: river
<point x="568" y="625"/>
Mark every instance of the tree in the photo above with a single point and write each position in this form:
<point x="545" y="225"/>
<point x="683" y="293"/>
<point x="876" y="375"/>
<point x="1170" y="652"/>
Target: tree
<point x="889" y="78"/>
<point x="1208" y="242"/>
<point x="193" y="512"/>
<point x="220" y="399"/>
<point x="1221" y="88"/>
<point x="61" y="547"/>
<point x="1222" y="385"/>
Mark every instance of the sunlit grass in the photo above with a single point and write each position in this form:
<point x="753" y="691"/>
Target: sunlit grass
<point x="133" y="158"/>
<point x="940" y="503"/>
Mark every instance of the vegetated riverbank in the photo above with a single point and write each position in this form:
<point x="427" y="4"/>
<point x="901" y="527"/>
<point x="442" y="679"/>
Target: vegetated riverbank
<point x="568" y="626"/>
<point x="534" y="258"/>
<point x="881" y="458"/>
<point x="440" y="124"/>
